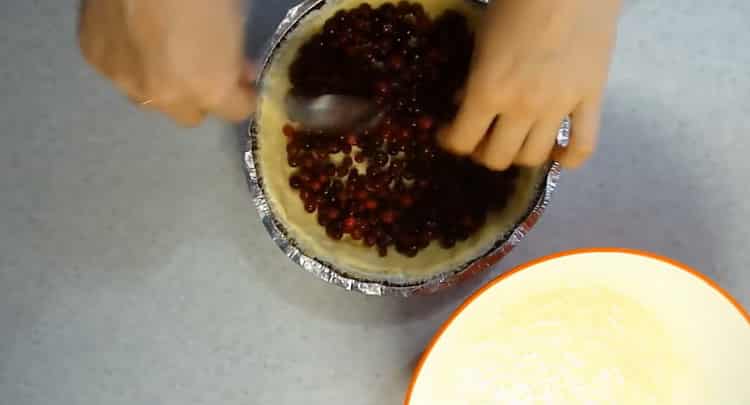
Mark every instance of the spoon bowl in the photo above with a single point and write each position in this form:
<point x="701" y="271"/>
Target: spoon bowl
<point x="332" y="113"/>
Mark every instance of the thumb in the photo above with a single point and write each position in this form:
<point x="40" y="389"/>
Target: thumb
<point x="238" y="103"/>
<point x="472" y="121"/>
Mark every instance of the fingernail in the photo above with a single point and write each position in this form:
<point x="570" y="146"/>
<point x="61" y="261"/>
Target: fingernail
<point x="250" y="71"/>
<point x="558" y="153"/>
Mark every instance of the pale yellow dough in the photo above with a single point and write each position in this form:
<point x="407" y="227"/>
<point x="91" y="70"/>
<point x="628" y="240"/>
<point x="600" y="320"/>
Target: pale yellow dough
<point x="602" y="328"/>
<point x="348" y="254"/>
<point x="565" y="346"/>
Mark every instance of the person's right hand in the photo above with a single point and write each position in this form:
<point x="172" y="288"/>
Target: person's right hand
<point x="536" y="62"/>
<point x="183" y="58"/>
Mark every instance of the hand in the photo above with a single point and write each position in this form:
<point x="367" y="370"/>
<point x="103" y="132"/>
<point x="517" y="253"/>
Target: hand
<point x="183" y="58"/>
<point x="536" y="62"/>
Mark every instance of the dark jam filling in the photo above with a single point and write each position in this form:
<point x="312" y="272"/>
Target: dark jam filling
<point x="394" y="186"/>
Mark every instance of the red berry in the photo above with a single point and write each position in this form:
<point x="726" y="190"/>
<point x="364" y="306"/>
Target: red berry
<point x="388" y="216"/>
<point x="334" y="231"/>
<point x="350" y="223"/>
<point x="330" y="170"/>
<point x="342" y="171"/>
<point x="382" y="87"/>
<point x="319" y="155"/>
<point x="425" y="122"/>
<point x="382" y="251"/>
<point x="333" y="213"/>
<point x="411" y="251"/>
<point x="311" y="205"/>
<point x="395" y="61"/>
<point x="361" y="194"/>
<point x="393" y="149"/>
<point x="295" y="182"/>
<point x="380" y="159"/>
<point x="353" y="175"/>
<point x="359" y="208"/>
<point x="334" y="148"/>
<point x="447" y="242"/>
<point x="316" y="186"/>
<point x="292" y="149"/>
<point x="356" y="234"/>
<point x="433" y="55"/>
<point x="406" y="200"/>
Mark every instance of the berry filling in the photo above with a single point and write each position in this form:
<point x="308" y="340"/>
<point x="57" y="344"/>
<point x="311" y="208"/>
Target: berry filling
<point x="391" y="186"/>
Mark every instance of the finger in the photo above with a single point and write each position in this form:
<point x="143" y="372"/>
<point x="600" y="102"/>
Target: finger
<point x="470" y="125"/>
<point x="583" y="135"/>
<point x="142" y="102"/>
<point x="182" y="112"/>
<point x="500" y="148"/>
<point x="460" y="95"/>
<point x="238" y="104"/>
<point x="540" y="142"/>
<point x="250" y="74"/>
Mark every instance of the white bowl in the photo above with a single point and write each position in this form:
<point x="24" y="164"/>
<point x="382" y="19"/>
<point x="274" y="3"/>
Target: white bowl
<point x="605" y="326"/>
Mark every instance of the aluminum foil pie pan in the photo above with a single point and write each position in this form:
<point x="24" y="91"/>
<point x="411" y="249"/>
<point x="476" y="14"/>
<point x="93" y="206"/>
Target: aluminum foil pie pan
<point x="347" y="279"/>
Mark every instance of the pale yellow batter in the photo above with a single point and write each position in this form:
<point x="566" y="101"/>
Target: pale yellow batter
<point x="566" y="346"/>
<point x="592" y="329"/>
<point x="348" y="254"/>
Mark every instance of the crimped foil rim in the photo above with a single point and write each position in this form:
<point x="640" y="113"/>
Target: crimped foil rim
<point x="328" y="272"/>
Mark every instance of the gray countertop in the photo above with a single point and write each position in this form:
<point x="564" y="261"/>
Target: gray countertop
<point x="133" y="268"/>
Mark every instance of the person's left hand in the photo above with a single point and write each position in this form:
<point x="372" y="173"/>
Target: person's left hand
<point x="183" y="58"/>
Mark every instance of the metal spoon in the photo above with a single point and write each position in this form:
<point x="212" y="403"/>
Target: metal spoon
<point x="333" y="112"/>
